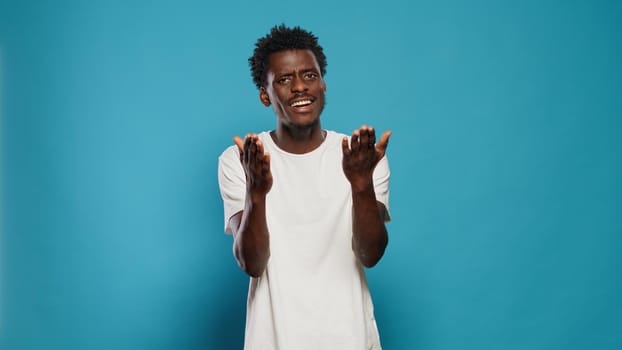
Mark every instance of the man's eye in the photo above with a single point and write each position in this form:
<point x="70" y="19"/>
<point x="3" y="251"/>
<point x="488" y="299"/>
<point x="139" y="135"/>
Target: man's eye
<point x="310" y="76"/>
<point x="283" y="80"/>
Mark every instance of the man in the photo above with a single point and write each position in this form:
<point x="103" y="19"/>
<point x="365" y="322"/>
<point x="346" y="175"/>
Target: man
<point x="306" y="208"/>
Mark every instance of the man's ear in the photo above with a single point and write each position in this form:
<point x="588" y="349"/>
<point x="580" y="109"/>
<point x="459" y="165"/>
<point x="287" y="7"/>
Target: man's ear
<point x="263" y="97"/>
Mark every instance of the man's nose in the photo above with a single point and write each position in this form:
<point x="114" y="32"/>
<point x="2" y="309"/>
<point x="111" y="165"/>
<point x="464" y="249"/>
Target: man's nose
<point x="298" y="85"/>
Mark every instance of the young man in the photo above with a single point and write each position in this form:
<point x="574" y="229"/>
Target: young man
<point x="306" y="208"/>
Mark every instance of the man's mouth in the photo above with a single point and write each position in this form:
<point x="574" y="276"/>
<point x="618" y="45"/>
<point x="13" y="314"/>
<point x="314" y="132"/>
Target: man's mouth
<point x="301" y="103"/>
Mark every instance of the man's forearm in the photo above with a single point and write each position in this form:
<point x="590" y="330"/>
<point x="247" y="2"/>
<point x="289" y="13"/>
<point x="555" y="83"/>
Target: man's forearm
<point x="369" y="234"/>
<point x="252" y="239"/>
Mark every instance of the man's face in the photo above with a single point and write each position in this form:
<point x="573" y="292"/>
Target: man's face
<point x="294" y="88"/>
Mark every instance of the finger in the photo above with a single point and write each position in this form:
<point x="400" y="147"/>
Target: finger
<point x="266" y="164"/>
<point x="247" y="146"/>
<point x="364" y="139"/>
<point x="260" y="150"/>
<point x="253" y="150"/>
<point x="259" y="153"/>
<point x="354" y="141"/>
<point x="253" y="144"/>
<point x="345" y="148"/>
<point x="371" y="141"/>
<point x="239" y="142"/>
<point x="384" y="141"/>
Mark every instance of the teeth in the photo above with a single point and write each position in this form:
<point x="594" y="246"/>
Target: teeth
<point x="301" y="103"/>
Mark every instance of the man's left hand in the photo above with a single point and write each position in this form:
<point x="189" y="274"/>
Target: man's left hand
<point x="362" y="155"/>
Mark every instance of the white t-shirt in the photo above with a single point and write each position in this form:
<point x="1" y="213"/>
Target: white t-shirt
<point x="313" y="293"/>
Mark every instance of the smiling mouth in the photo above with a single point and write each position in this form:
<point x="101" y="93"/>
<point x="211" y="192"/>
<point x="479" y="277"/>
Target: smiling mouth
<point x="301" y="103"/>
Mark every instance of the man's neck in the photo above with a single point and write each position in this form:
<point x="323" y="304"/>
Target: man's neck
<point x="298" y="140"/>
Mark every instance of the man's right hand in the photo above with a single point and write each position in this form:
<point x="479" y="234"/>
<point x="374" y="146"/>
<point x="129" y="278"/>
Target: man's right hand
<point x="256" y="164"/>
<point x="251" y="238"/>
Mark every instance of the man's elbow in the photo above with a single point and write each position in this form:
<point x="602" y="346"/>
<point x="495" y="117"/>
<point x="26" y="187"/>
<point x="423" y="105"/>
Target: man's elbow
<point x="252" y="260"/>
<point x="253" y="271"/>
<point x="371" y="256"/>
<point x="252" y="267"/>
<point x="371" y="261"/>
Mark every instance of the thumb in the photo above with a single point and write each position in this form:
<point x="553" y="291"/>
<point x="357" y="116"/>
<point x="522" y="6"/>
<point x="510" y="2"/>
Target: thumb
<point x="382" y="145"/>
<point x="239" y="142"/>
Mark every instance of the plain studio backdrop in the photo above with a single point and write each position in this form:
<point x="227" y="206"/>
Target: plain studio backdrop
<point x="505" y="160"/>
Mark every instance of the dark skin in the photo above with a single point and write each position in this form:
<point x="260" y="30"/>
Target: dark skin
<point x="369" y="234"/>
<point x="296" y="90"/>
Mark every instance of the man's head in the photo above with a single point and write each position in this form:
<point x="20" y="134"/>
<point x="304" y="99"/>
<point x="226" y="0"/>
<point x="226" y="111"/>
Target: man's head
<point x="288" y="67"/>
<point x="282" y="38"/>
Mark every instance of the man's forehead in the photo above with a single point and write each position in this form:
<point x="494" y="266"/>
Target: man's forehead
<point x="292" y="59"/>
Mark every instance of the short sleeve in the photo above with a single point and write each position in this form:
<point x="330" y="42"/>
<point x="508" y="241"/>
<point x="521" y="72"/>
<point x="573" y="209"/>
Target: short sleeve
<point x="381" y="183"/>
<point x="232" y="183"/>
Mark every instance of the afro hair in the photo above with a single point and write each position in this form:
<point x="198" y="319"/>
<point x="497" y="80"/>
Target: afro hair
<point x="282" y="38"/>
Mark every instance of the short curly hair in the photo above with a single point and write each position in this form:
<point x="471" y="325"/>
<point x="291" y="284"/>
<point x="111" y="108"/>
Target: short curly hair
<point x="282" y="38"/>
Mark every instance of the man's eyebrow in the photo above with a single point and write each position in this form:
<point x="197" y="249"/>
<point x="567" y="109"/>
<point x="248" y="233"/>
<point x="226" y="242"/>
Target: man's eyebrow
<point x="290" y="72"/>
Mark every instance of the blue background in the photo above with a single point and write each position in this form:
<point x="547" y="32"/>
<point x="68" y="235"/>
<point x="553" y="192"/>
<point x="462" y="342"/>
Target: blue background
<point x="505" y="159"/>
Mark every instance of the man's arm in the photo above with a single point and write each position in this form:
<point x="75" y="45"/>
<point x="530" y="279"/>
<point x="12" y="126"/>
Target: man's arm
<point x="369" y="234"/>
<point x="251" y="239"/>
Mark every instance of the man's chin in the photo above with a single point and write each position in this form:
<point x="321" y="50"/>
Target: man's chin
<point x="305" y="124"/>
